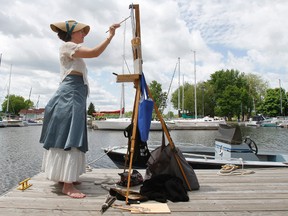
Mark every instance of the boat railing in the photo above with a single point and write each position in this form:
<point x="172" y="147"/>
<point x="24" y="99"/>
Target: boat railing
<point x="199" y="155"/>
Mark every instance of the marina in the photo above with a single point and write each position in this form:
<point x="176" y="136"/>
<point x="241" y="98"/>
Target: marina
<point x="226" y="189"/>
<point x="264" y="192"/>
<point x="21" y="153"/>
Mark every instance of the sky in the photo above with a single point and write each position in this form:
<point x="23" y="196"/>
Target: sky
<point x="249" y="36"/>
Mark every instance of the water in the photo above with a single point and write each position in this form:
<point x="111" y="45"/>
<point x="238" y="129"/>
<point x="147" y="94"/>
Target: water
<point x="21" y="153"/>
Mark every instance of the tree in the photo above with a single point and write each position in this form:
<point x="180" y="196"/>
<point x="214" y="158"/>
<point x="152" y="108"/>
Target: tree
<point x="16" y="103"/>
<point x="271" y="105"/>
<point x="229" y="103"/>
<point x="159" y="97"/>
<point x="256" y="90"/>
<point x="91" y="109"/>
<point x="169" y="115"/>
<point x="205" y="104"/>
<point x="229" y="92"/>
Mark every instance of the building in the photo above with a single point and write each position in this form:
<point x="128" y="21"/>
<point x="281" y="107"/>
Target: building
<point x="32" y="114"/>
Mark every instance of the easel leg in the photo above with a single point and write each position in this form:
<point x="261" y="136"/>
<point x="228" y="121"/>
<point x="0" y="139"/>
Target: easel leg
<point x="133" y="137"/>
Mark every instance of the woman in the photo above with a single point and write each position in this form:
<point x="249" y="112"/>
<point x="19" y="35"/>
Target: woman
<point x="64" y="131"/>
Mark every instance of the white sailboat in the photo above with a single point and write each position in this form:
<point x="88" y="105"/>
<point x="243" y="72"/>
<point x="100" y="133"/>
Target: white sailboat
<point x="8" y="121"/>
<point x="205" y="123"/>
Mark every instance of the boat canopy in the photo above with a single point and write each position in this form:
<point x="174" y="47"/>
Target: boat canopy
<point x="229" y="134"/>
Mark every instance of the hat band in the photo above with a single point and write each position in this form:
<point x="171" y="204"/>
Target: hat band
<point x="70" y="30"/>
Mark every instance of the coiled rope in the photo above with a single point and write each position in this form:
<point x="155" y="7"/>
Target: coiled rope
<point x="232" y="169"/>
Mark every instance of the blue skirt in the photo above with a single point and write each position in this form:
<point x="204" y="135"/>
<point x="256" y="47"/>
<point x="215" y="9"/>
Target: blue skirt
<point x="65" y="120"/>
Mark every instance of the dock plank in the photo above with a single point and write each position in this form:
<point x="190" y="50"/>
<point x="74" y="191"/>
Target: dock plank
<point x="263" y="193"/>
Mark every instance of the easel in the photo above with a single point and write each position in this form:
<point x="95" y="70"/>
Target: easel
<point x="137" y="57"/>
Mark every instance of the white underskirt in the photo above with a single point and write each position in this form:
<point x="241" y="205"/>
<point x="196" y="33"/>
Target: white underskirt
<point x="63" y="166"/>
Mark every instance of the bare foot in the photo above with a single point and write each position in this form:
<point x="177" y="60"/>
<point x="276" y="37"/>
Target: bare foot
<point x="70" y="190"/>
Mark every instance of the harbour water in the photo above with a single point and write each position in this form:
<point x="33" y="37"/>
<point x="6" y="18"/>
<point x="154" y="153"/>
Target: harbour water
<point x="21" y="153"/>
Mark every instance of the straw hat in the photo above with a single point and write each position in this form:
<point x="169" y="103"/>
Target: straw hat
<point x="70" y="26"/>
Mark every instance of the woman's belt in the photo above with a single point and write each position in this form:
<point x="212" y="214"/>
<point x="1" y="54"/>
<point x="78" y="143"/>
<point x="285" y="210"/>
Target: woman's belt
<point x="75" y="73"/>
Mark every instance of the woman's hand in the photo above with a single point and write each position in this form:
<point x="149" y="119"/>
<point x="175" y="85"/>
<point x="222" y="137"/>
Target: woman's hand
<point x="112" y="29"/>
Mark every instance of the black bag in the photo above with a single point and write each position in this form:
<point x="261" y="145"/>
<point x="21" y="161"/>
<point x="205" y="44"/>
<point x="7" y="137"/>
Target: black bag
<point x="163" y="161"/>
<point x="141" y="151"/>
<point x="135" y="178"/>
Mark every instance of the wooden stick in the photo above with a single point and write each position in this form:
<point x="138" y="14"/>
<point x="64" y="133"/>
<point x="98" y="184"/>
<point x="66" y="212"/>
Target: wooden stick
<point x="120" y="23"/>
<point x="133" y="137"/>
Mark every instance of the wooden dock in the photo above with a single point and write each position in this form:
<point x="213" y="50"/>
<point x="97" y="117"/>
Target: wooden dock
<point x="263" y="193"/>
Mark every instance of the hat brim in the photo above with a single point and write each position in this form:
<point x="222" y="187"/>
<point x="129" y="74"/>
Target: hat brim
<point x="62" y="26"/>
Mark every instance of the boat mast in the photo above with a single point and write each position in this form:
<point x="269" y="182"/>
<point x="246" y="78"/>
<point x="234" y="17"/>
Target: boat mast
<point x="8" y="93"/>
<point x="280" y="97"/>
<point x="195" y="93"/>
<point x="168" y="92"/>
<point x="183" y="95"/>
<point x="179" y="86"/>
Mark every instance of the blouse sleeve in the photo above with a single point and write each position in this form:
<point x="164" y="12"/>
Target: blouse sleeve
<point x="69" y="48"/>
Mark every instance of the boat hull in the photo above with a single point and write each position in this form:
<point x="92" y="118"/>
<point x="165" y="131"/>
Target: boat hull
<point x="200" y="124"/>
<point x="121" y="124"/>
<point x="14" y="123"/>
<point x="198" y="158"/>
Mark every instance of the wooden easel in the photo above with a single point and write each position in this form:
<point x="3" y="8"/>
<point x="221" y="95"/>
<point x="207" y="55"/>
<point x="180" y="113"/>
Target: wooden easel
<point x="135" y="78"/>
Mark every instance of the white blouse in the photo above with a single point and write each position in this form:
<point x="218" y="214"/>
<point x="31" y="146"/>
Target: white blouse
<point x="69" y="63"/>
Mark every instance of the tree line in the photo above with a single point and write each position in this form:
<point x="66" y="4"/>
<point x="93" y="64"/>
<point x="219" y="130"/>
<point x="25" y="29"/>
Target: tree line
<point x="232" y="94"/>
<point x="228" y="93"/>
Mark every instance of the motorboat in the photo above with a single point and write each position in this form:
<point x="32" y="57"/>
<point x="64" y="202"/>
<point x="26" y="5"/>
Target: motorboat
<point x="270" y="122"/>
<point x="14" y="123"/>
<point x="2" y="123"/>
<point x="200" y="123"/>
<point x="229" y="148"/>
<point x="32" y="122"/>
<point x="255" y="121"/>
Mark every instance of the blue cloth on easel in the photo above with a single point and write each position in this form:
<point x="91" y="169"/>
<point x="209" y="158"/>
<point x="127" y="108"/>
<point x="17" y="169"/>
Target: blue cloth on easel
<point x="146" y="106"/>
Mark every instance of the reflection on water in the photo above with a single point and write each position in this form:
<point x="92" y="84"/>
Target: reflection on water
<point x="21" y="153"/>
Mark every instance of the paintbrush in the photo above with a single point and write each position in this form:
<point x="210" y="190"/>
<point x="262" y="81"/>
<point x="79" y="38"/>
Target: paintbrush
<point x="121" y="22"/>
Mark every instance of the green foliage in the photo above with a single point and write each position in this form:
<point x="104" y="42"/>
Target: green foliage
<point x="169" y="115"/>
<point x="205" y="102"/>
<point x="271" y="105"/>
<point x="16" y="103"/>
<point x="227" y="93"/>
<point x="91" y="109"/>
<point x="128" y="114"/>
<point x="158" y="95"/>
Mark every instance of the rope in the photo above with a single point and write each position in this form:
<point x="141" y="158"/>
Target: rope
<point x="111" y="149"/>
<point x="232" y="169"/>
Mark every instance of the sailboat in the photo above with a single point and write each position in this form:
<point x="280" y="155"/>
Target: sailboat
<point x="205" y="123"/>
<point x="10" y="122"/>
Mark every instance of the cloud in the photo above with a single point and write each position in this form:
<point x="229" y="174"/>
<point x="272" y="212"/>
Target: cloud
<point x="246" y="35"/>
